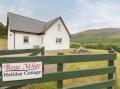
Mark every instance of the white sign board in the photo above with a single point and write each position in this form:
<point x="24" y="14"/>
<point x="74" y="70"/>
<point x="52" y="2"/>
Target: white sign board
<point x="21" y="71"/>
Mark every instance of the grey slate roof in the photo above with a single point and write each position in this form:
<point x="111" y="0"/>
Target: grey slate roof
<point x="25" y="24"/>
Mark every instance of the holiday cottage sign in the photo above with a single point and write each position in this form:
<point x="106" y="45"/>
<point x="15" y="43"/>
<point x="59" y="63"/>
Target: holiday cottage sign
<point x="21" y="71"/>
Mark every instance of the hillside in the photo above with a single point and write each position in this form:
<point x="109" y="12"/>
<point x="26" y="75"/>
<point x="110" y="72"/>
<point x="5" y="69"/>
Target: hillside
<point x="97" y="35"/>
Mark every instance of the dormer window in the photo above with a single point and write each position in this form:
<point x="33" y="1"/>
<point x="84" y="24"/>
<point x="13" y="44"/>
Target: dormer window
<point x="59" y="27"/>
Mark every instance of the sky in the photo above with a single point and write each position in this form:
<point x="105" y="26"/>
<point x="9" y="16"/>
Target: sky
<point x="78" y="15"/>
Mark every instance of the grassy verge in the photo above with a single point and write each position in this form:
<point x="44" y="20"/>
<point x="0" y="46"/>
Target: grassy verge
<point x="3" y="43"/>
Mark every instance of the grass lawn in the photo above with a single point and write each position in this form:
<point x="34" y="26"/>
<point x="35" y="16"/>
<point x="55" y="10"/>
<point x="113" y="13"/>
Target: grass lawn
<point x="77" y="81"/>
<point x="3" y="43"/>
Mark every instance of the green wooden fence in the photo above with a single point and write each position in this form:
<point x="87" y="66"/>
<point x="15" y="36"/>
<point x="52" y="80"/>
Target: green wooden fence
<point x="21" y="51"/>
<point x="61" y="75"/>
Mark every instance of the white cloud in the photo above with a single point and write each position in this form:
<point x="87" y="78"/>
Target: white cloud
<point x="28" y="8"/>
<point x="96" y="14"/>
<point x="3" y="11"/>
<point x="22" y="10"/>
<point x="84" y="15"/>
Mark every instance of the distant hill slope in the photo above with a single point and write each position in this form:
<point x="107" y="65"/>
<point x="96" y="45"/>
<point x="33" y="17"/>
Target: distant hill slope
<point x="97" y="35"/>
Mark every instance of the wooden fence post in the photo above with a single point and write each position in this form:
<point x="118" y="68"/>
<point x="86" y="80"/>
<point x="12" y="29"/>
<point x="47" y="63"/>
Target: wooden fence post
<point x="42" y="51"/>
<point x="60" y="82"/>
<point x="60" y="69"/>
<point x="111" y="75"/>
<point x="42" y="54"/>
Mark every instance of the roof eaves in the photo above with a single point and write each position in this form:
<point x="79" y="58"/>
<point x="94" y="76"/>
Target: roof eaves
<point x="65" y="26"/>
<point x="9" y="13"/>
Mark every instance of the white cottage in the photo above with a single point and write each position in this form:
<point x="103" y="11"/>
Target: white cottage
<point x="27" y="33"/>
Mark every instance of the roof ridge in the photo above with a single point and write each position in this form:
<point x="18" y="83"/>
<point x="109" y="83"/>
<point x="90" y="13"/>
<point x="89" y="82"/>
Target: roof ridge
<point x="47" y="25"/>
<point x="55" y="18"/>
<point x="25" y="17"/>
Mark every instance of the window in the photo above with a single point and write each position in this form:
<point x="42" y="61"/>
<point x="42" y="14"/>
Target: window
<point x="26" y="39"/>
<point x="59" y="27"/>
<point x="58" y="40"/>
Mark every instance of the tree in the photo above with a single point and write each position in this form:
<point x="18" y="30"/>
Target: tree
<point x="3" y="31"/>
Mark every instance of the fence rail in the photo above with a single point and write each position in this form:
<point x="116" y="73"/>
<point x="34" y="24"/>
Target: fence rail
<point x="21" y="51"/>
<point x="61" y="75"/>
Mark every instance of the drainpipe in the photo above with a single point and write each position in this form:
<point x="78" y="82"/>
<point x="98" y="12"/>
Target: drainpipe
<point x="14" y="40"/>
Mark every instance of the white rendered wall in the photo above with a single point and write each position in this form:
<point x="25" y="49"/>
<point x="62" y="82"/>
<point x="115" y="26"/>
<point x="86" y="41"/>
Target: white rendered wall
<point x="19" y="41"/>
<point x="49" y="39"/>
<point x="10" y="40"/>
<point x="52" y="33"/>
